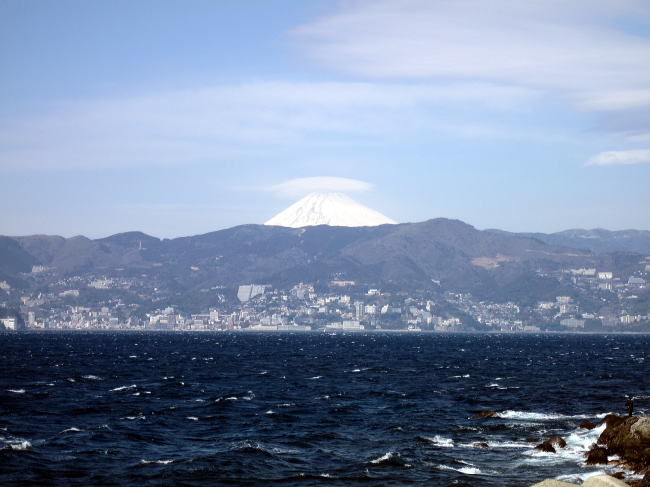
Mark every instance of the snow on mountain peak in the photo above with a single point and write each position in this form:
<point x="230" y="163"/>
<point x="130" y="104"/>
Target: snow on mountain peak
<point x="334" y="209"/>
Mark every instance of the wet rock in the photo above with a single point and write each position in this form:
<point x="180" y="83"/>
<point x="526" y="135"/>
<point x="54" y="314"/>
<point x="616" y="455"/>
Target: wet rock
<point x="644" y="482"/>
<point x="587" y="425"/>
<point x="551" y="444"/>
<point x="629" y="438"/>
<point x="546" y="446"/>
<point x="619" y="475"/>
<point x="532" y="440"/>
<point x="480" y="444"/>
<point x="486" y="414"/>
<point x="597" y="455"/>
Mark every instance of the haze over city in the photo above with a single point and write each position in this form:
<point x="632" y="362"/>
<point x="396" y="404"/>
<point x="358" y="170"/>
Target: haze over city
<point x="183" y="118"/>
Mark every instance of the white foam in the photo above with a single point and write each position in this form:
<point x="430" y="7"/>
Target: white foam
<point x="192" y="418"/>
<point x="162" y="462"/>
<point x="71" y="430"/>
<point x="91" y="377"/>
<point x="123" y="388"/>
<point x="15" y="443"/>
<point x="506" y="445"/>
<point x="440" y="441"/>
<point x="139" y="416"/>
<point x="17" y="391"/>
<point x="510" y="414"/>
<point x="383" y="458"/>
<point x="578" y="442"/>
<point x="316" y="377"/>
<point x="466" y="470"/>
<point x="20" y="445"/>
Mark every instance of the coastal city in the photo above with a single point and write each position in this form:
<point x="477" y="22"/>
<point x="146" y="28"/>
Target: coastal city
<point x="598" y="300"/>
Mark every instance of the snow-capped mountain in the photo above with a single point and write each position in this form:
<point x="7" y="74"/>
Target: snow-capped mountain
<point x="334" y="209"/>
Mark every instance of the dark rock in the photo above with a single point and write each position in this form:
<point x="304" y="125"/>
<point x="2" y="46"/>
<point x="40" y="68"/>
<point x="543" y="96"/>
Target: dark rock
<point x="597" y="456"/>
<point x="551" y="444"/>
<point x="532" y="440"/>
<point x="480" y="444"/>
<point x="486" y="414"/>
<point x="619" y="475"/>
<point x="557" y="441"/>
<point x="644" y="482"/>
<point x="629" y="438"/>
<point x="587" y="425"/>
<point x="546" y="446"/>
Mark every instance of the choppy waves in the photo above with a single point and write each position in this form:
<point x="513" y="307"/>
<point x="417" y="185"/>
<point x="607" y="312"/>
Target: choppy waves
<point x="306" y="409"/>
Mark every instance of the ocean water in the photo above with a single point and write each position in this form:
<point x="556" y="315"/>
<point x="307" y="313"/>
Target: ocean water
<point x="199" y="409"/>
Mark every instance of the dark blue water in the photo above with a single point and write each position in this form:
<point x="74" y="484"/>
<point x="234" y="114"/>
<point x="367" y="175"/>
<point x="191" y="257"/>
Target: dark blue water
<point x="133" y="409"/>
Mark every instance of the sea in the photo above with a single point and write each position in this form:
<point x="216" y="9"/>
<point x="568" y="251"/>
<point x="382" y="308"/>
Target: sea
<point x="308" y="409"/>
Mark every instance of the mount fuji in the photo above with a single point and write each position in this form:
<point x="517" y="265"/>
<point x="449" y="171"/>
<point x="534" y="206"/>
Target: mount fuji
<point x="333" y="209"/>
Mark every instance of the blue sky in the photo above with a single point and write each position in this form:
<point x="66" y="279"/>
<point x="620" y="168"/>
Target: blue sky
<point x="178" y="118"/>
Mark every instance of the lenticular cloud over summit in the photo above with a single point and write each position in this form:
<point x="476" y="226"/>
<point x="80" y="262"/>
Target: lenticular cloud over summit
<point x="334" y="209"/>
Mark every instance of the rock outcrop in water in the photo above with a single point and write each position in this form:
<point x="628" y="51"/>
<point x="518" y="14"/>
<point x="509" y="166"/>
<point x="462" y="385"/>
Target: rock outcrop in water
<point x="551" y="444"/>
<point x="587" y="425"/>
<point x="629" y="438"/>
<point x="486" y="414"/>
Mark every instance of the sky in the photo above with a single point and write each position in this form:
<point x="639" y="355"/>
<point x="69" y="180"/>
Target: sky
<point x="184" y="117"/>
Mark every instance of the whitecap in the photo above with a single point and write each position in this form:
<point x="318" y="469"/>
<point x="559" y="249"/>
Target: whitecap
<point x="162" y="462"/>
<point x="270" y="411"/>
<point x="440" y="441"/>
<point x="17" y="391"/>
<point x="385" y="457"/>
<point x="123" y="388"/>
<point x="139" y="416"/>
<point x="20" y="445"/>
<point x="71" y="430"/>
<point x="91" y="377"/>
<point x="192" y="418"/>
<point x="469" y="470"/>
<point x="15" y="443"/>
<point x="316" y="377"/>
<point x="510" y="414"/>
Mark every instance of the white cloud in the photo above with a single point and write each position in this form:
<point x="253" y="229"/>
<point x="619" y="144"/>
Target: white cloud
<point x="301" y="186"/>
<point x="256" y="118"/>
<point x="624" y="157"/>
<point x="578" y="49"/>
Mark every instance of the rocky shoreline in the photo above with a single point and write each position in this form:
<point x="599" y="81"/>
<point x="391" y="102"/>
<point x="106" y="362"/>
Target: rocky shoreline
<point x="625" y="442"/>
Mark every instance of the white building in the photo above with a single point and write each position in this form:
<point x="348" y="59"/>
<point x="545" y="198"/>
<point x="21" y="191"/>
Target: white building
<point x="9" y="323"/>
<point x="249" y="291"/>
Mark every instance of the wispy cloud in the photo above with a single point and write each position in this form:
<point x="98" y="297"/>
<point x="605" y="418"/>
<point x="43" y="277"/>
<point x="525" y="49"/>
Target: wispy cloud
<point x="579" y="49"/>
<point x="301" y="186"/>
<point x="623" y="157"/>
<point x="256" y="118"/>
